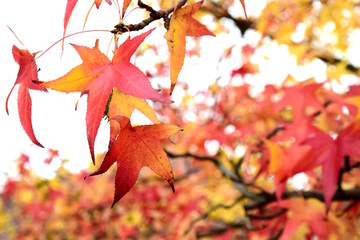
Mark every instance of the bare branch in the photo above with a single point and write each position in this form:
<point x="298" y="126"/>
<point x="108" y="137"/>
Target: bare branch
<point x="219" y="11"/>
<point x="268" y="216"/>
<point x="154" y="15"/>
<point x="340" y="195"/>
<point x="214" y="208"/>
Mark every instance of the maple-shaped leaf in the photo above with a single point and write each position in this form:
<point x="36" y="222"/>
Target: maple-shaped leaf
<point x="331" y="152"/>
<point x="182" y="24"/>
<point x="97" y="76"/>
<point x="301" y="98"/>
<point x="134" y="148"/>
<point x="123" y="104"/>
<point x="286" y="162"/>
<point x="27" y="78"/>
<point x="310" y="212"/>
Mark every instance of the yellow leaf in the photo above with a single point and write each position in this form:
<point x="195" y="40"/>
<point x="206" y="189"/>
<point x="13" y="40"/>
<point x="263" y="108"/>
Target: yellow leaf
<point x="182" y="24"/>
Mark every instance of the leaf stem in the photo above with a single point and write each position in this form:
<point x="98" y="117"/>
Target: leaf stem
<point x="70" y="35"/>
<point x="17" y="37"/>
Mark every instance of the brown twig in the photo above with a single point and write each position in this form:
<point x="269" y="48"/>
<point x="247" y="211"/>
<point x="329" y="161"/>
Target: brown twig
<point x="343" y="195"/>
<point x="154" y="15"/>
<point x="212" y="209"/>
<point x="268" y="216"/>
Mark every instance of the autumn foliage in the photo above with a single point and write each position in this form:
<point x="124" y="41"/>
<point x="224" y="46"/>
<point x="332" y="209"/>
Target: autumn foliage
<point x="246" y="142"/>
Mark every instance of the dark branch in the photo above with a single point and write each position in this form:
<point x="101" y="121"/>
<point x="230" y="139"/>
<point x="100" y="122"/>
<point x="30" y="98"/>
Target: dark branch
<point x="219" y="11"/>
<point x="344" y="195"/>
<point x="226" y="172"/>
<point x="146" y="7"/>
<point x="154" y="15"/>
<point x="238" y="182"/>
<point x="214" y="208"/>
<point x="220" y="229"/>
<point x="333" y="61"/>
<point x="267" y="216"/>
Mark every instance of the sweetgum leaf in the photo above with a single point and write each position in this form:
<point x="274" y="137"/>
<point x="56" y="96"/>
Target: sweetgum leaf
<point x="123" y="105"/>
<point x="97" y="76"/>
<point x="27" y="78"/>
<point x="182" y="24"/>
<point x="331" y="152"/>
<point x="134" y="148"/>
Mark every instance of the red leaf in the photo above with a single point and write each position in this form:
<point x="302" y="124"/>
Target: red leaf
<point x="330" y="153"/>
<point x="97" y="76"/>
<point x="135" y="148"/>
<point x="27" y="78"/>
<point x="300" y="98"/>
<point x="69" y="9"/>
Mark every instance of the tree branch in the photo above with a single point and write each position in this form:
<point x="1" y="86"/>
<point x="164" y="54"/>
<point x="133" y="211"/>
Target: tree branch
<point x="212" y="209"/>
<point x="238" y="182"/>
<point x="340" y="195"/>
<point x="154" y="15"/>
<point x="218" y="11"/>
<point x="268" y="216"/>
<point x="226" y="172"/>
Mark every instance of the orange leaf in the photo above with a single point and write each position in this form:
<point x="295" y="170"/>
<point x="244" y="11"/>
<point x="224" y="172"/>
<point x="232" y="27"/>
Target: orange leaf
<point x="122" y="104"/>
<point x="310" y="212"/>
<point x="97" y="76"/>
<point x="126" y="4"/>
<point x="98" y="2"/>
<point x="27" y="78"/>
<point x="134" y="148"/>
<point x="243" y="5"/>
<point x="182" y="24"/>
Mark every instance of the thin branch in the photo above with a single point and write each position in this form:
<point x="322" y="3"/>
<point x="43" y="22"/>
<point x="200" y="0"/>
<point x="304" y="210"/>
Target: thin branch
<point x="211" y="210"/>
<point x="219" y="11"/>
<point x="154" y="15"/>
<point x="277" y="235"/>
<point x="344" y="195"/>
<point x="226" y="172"/>
<point x="186" y="175"/>
<point x="238" y="183"/>
<point x="220" y="229"/>
<point x="268" y="216"/>
<point x="146" y="7"/>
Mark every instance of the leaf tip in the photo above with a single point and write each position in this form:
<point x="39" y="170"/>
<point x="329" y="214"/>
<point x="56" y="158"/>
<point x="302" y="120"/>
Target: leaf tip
<point x="40" y="145"/>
